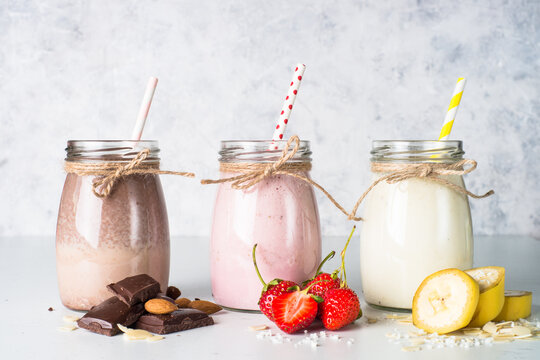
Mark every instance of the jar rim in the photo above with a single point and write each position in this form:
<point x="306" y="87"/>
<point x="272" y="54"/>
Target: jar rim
<point x="261" y="151"/>
<point x="263" y="142"/>
<point x="111" y="150"/>
<point x="444" y="151"/>
<point x="456" y="143"/>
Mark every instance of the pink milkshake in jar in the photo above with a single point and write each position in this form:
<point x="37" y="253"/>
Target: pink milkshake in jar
<point x="279" y="213"/>
<point x="101" y="239"/>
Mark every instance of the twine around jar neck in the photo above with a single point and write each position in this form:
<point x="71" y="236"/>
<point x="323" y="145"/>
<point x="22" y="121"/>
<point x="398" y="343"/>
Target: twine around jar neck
<point x="110" y="172"/>
<point x="253" y="173"/>
<point x="428" y="171"/>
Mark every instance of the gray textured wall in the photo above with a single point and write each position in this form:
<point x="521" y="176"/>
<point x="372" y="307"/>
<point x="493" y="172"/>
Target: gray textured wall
<point x="375" y="70"/>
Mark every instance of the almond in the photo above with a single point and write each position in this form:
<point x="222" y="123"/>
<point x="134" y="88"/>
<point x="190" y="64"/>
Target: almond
<point x="205" y="306"/>
<point x="173" y="292"/>
<point x="159" y="306"/>
<point x="182" y="302"/>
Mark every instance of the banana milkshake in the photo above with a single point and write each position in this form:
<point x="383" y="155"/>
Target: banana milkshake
<point x="412" y="228"/>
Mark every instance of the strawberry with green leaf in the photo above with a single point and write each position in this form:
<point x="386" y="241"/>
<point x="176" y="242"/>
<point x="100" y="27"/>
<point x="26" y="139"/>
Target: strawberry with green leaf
<point x="271" y="290"/>
<point x="296" y="310"/>
<point x="341" y="305"/>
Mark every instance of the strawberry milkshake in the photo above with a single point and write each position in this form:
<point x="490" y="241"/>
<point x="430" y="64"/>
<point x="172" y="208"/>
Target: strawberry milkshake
<point x="279" y="213"/>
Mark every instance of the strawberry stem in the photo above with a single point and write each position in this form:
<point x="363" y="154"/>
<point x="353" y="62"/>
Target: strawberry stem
<point x="256" y="267"/>
<point x="305" y="290"/>
<point x="344" y="283"/>
<point x="328" y="257"/>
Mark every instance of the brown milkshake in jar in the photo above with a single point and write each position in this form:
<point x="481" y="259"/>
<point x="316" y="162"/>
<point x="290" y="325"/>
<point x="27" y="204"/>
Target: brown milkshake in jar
<point x="101" y="236"/>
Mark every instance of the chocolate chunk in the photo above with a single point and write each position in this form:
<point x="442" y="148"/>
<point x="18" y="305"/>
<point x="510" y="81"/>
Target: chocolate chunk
<point x="182" y="319"/>
<point x="173" y="292"/>
<point x="102" y="318"/>
<point x="134" y="289"/>
<point x="50" y="309"/>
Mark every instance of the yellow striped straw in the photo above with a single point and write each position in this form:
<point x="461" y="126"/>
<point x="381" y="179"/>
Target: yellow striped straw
<point x="452" y="109"/>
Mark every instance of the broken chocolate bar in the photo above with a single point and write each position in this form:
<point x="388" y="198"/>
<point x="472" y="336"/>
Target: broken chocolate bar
<point x="134" y="289"/>
<point x="102" y="318"/>
<point x="182" y="319"/>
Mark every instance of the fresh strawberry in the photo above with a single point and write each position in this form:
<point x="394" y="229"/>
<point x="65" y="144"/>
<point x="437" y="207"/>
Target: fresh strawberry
<point x="271" y="290"/>
<point x="320" y="285"/>
<point x="341" y="305"/>
<point x="339" y="308"/>
<point x="294" y="311"/>
<point x="322" y="281"/>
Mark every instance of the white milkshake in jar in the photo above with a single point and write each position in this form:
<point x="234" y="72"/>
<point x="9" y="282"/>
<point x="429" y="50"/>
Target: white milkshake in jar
<point x="414" y="227"/>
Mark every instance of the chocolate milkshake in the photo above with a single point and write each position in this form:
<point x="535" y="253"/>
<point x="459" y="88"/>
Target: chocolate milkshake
<point x="101" y="240"/>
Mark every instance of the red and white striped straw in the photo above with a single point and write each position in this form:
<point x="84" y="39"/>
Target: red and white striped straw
<point x="289" y="102"/>
<point x="145" y="107"/>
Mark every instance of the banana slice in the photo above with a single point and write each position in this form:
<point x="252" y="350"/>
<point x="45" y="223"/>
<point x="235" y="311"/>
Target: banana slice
<point x="517" y="305"/>
<point x="491" y="282"/>
<point x="445" y="301"/>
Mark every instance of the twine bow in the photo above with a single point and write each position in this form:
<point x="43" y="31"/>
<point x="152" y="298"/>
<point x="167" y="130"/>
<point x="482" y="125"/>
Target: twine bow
<point x="253" y="173"/>
<point x="110" y="172"/>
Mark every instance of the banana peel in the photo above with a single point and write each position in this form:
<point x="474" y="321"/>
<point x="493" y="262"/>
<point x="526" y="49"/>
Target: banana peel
<point x="517" y="305"/>
<point x="491" y="301"/>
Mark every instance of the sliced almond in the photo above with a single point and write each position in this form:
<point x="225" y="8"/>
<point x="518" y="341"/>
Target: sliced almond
<point x="258" y="327"/>
<point x="490" y="327"/>
<point x="159" y="306"/>
<point x="515" y="331"/>
<point x="397" y="317"/>
<point x="205" y="306"/>
<point x="472" y="332"/>
<point x="417" y="341"/>
<point x="138" y="334"/>
<point x="123" y="328"/>
<point x="411" y="348"/>
<point x="70" y="318"/>
<point x="502" y="339"/>
<point x="67" y="328"/>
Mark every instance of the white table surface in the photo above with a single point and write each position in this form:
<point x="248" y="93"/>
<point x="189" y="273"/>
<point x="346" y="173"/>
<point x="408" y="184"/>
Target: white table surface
<point x="29" y="331"/>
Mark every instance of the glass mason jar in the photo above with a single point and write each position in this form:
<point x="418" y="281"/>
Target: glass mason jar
<point x="414" y="227"/>
<point x="279" y="213"/>
<point x="103" y="240"/>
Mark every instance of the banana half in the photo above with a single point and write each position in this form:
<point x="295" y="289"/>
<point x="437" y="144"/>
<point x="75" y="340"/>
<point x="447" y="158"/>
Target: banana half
<point x="445" y="301"/>
<point x="517" y="305"/>
<point x="490" y="279"/>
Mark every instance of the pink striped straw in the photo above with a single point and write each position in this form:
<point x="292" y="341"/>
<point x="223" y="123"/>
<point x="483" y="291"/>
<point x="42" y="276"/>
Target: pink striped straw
<point x="145" y="107"/>
<point x="288" y="104"/>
